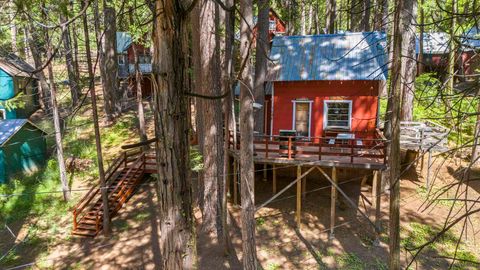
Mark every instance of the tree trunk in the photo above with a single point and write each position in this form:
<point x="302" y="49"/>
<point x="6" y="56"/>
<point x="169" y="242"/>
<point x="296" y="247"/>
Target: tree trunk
<point x="331" y="13"/>
<point x="170" y="52"/>
<point x="212" y="148"/>
<point x="44" y="90"/>
<point x="110" y="86"/>
<point x="395" y="96"/>
<point x="75" y="44"/>
<point x="476" y="138"/>
<point x="138" y="85"/>
<point x="409" y="62"/>
<point x="261" y="63"/>
<point x="227" y="76"/>
<point x="451" y="55"/>
<point x="72" y="77"/>
<point x="98" y="143"/>
<point x="247" y="175"/>
<point x="57" y="127"/>
<point x="13" y="27"/>
<point x="365" y="23"/>
<point x="421" y="41"/>
<point x="355" y="15"/>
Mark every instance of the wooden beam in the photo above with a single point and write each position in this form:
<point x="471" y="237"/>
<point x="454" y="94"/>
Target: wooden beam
<point x="352" y="204"/>
<point x="274" y="176"/>
<point x="235" y="182"/>
<point x="299" y="195"/>
<point x="364" y="181"/>
<point x="333" y="203"/>
<point x="284" y="189"/>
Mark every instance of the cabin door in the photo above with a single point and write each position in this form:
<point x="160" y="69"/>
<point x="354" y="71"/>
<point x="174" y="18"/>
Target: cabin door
<point x="301" y="123"/>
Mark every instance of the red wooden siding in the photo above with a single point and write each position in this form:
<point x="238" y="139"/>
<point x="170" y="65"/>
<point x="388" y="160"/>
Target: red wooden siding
<point x="140" y="49"/>
<point x="363" y="94"/>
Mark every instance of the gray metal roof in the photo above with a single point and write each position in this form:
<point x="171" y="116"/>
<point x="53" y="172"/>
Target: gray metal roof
<point x="346" y="56"/>
<point x="15" y="66"/>
<point x="124" y="40"/>
<point x="434" y="43"/>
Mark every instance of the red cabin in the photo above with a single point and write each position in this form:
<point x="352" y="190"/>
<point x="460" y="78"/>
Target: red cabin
<point x="126" y="63"/>
<point x="327" y="83"/>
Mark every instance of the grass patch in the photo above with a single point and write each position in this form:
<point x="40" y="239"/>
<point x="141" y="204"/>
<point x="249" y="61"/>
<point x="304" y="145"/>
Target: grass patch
<point x="350" y="261"/>
<point x="444" y="246"/>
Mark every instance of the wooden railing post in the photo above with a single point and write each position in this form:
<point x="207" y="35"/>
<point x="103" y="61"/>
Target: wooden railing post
<point x="75" y="219"/>
<point x="266" y="147"/>
<point x="289" y="147"/>
<point x="320" y="149"/>
<point x="97" y="223"/>
<point x="352" y="147"/>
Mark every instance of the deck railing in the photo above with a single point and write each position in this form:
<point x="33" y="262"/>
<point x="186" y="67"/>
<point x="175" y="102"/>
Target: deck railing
<point x="359" y="147"/>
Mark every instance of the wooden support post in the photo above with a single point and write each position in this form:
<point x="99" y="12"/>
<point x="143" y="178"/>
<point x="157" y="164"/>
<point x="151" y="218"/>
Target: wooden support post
<point x="333" y="203"/>
<point x="377" y="198"/>
<point x="429" y="166"/>
<point x="422" y="161"/>
<point x="304" y="187"/>
<point x="265" y="172"/>
<point x="364" y="181"/>
<point x="274" y="176"/>
<point x="235" y="182"/>
<point x="299" y="196"/>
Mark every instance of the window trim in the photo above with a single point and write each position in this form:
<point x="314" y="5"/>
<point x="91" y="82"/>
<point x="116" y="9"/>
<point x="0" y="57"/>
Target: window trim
<point x="325" y="114"/>
<point x="4" y="114"/>
<point x="295" y="101"/>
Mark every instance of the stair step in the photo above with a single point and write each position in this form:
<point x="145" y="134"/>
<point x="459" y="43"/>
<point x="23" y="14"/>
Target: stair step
<point x="87" y="233"/>
<point x="86" y="227"/>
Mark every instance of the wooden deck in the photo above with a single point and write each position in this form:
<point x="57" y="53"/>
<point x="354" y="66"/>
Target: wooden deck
<point x="343" y="150"/>
<point x="123" y="177"/>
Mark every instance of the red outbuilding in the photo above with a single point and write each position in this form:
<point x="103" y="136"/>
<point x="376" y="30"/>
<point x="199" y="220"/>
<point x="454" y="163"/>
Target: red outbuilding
<point x="327" y="84"/>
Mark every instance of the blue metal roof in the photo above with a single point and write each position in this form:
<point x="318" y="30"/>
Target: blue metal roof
<point x="346" y="56"/>
<point x="471" y="38"/>
<point x="9" y="127"/>
<point x="124" y="40"/>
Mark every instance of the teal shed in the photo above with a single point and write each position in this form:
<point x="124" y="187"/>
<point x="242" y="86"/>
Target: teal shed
<point x="22" y="148"/>
<point x="16" y="77"/>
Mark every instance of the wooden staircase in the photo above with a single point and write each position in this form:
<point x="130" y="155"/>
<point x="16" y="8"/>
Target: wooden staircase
<point x="122" y="178"/>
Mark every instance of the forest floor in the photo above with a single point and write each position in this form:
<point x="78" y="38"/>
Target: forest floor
<point x="38" y="224"/>
<point x="134" y="244"/>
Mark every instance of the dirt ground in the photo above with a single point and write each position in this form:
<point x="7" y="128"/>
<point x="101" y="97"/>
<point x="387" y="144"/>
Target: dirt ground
<point x="280" y="245"/>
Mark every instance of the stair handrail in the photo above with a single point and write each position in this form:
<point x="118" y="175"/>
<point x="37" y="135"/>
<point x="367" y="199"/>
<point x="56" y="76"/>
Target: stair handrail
<point x="128" y="186"/>
<point x="108" y="175"/>
<point x="93" y="191"/>
<point x="116" y="187"/>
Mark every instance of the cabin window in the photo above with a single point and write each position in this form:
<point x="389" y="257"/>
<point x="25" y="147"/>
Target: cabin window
<point x="338" y="114"/>
<point x="302" y="121"/>
<point x="122" y="59"/>
<point x="144" y="59"/>
<point x="272" y="26"/>
<point x="3" y="114"/>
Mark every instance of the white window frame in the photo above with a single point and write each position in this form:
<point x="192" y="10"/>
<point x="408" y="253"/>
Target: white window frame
<point x="325" y="114"/>
<point x="295" y="101"/>
<point x="123" y="57"/>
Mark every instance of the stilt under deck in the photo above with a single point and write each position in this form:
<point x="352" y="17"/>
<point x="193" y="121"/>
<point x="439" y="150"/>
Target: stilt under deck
<point x="329" y="159"/>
